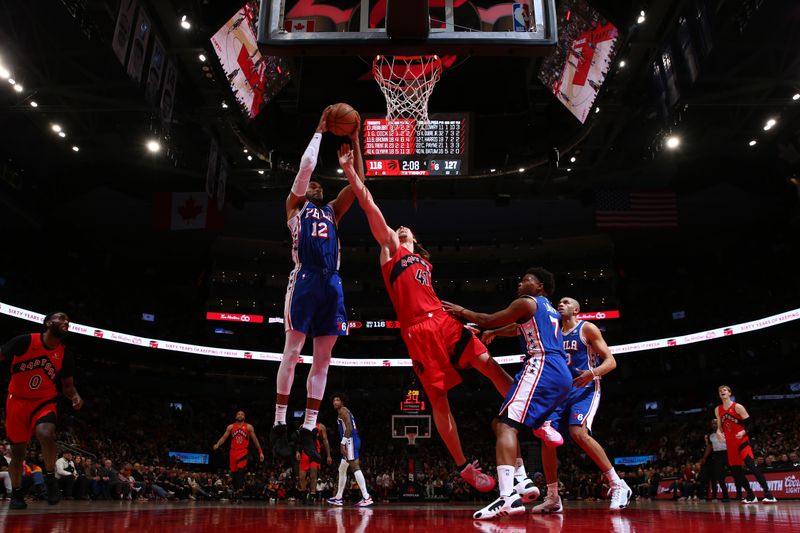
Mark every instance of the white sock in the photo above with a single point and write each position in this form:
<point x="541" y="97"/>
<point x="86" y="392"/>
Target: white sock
<point x="505" y="479"/>
<point x="519" y="470"/>
<point x="311" y="419"/>
<point x="280" y="414"/>
<point x="612" y="476"/>
<point x="362" y="483"/>
<point x="342" y="479"/>
<point x="552" y="488"/>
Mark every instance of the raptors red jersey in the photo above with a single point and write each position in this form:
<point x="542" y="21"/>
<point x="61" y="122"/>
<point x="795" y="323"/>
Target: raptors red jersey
<point x="409" y="282"/>
<point x="240" y="437"/>
<point x="35" y="367"/>
<point x="731" y="423"/>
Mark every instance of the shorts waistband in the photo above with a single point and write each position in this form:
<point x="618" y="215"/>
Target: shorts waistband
<point x="320" y="270"/>
<point x="422" y="318"/>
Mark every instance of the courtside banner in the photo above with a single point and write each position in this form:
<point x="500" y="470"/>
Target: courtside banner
<point x="158" y="344"/>
<point x="783" y="485"/>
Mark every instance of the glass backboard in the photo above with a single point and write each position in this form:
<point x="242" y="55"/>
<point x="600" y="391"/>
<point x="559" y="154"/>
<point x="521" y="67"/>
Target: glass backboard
<point x="358" y="27"/>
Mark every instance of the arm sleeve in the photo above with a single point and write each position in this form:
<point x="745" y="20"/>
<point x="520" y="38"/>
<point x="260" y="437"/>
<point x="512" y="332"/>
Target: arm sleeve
<point x="748" y="425"/>
<point x="16" y="346"/>
<point x="307" y="165"/>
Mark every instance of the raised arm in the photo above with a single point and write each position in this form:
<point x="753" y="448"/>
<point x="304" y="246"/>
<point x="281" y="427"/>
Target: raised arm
<point x="252" y="433"/>
<point x="224" y="437"/>
<point x="386" y="236"/>
<point x="594" y="338"/>
<point x="308" y="163"/>
<point x="518" y="311"/>
<point x="341" y="204"/>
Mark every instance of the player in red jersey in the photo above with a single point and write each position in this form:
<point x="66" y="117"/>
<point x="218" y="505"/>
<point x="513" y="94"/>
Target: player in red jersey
<point x="38" y="360"/>
<point x="240" y="432"/>
<point x="437" y="343"/>
<point x="734" y="422"/>
<point x="309" y="469"/>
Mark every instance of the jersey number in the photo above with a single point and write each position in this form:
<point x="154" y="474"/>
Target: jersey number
<point x="319" y="229"/>
<point x="35" y="382"/>
<point x="556" y="326"/>
<point x="423" y="277"/>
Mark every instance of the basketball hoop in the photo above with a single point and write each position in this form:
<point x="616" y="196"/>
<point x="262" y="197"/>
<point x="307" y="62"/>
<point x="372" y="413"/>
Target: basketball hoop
<point x="412" y="437"/>
<point x="407" y="83"/>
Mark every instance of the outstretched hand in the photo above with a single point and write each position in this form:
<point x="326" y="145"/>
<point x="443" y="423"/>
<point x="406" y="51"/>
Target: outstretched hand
<point x="488" y="336"/>
<point x="453" y="309"/>
<point x="322" y="127"/>
<point x="345" y="154"/>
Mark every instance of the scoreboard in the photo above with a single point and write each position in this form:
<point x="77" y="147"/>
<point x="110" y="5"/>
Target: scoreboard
<point x="397" y="149"/>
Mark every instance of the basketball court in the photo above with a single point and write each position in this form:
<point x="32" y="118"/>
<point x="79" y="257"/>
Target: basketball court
<point x="641" y="517"/>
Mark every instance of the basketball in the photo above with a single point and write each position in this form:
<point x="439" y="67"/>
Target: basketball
<point x="342" y="120"/>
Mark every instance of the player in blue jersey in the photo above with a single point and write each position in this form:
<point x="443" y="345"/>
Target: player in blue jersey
<point x="350" y="446"/>
<point x="314" y="300"/>
<point x="588" y="358"/>
<point x="541" y="385"/>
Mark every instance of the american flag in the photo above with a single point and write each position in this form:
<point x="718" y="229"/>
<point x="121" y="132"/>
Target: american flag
<point x="620" y="209"/>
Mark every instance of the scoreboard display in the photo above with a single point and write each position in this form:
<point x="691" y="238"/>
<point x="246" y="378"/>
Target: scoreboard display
<point x="397" y="149"/>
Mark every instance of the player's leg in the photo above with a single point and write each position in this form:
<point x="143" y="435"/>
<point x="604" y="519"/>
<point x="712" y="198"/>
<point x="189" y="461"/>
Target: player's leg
<point x="366" y="499"/>
<point x="46" y="435"/>
<point x="342" y="481"/>
<point x="313" y="474"/>
<point x="446" y="424"/>
<point x="718" y="463"/>
<point x="509" y="502"/>
<point x="762" y="481"/>
<point x="15" y="470"/>
<point x="302" y="479"/>
<point x="741" y="480"/>
<point x="291" y="350"/>
<point x="486" y="365"/>
<point x="620" y="491"/>
<point x="315" y="385"/>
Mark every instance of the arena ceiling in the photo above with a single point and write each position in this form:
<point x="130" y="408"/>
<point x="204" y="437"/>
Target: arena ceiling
<point x="61" y="53"/>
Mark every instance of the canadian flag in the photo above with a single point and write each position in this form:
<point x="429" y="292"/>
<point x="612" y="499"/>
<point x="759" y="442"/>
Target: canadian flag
<point x="298" y="25"/>
<point x="186" y="210"/>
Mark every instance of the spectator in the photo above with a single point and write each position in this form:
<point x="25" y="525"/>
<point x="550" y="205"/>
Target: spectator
<point x="66" y="474"/>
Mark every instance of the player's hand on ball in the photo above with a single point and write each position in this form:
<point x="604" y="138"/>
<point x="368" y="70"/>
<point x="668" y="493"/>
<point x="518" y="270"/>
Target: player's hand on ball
<point x="356" y="130"/>
<point x="322" y="127"/>
<point x="585" y="377"/>
<point x="345" y="157"/>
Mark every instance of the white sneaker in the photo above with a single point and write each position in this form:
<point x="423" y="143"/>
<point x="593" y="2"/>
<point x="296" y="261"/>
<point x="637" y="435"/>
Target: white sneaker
<point x="620" y="495"/>
<point x="769" y="499"/>
<point x="527" y="490"/>
<point x="336" y="501"/>
<point x="747" y="500"/>
<point x="551" y="504"/>
<point x="550" y="437"/>
<point x="482" y="482"/>
<point x="365" y="502"/>
<point x="502" y="506"/>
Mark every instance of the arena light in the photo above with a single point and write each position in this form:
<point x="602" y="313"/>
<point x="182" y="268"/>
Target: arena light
<point x="153" y="146"/>
<point x="573" y="159"/>
<point x="753" y="142"/>
<point x="641" y="18"/>
<point x="622" y="64"/>
<point x="596" y="109"/>
<point x="224" y="105"/>
<point x="12" y="81"/>
<point x="521" y="170"/>
<point x="76" y="149"/>
<point x="244" y="150"/>
<point x="339" y="171"/>
<point x="62" y="134"/>
<point x="202" y="57"/>
<point x="18" y="88"/>
<point x="796" y="97"/>
<point x="673" y="141"/>
<point x="185" y="24"/>
<point x="262" y="172"/>
<point x="770" y="123"/>
<point x="492" y="170"/>
<point x="4" y="73"/>
<point x="34" y="104"/>
<point x="249" y="157"/>
<point x="55" y="127"/>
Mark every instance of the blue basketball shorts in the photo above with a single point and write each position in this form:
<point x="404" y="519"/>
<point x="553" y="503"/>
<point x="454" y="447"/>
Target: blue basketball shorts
<point x="315" y="303"/>
<point x="541" y="386"/>
<point x="578" y="409"/>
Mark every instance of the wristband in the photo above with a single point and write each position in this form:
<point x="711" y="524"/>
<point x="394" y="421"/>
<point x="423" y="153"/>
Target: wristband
<point x="592" y="371"/>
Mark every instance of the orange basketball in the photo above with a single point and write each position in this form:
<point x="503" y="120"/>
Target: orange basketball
<point x="342" y="120"/>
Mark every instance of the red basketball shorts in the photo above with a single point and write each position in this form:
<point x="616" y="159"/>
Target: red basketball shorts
<point x="437" y="347"/>
<point x="306" y="463"/>
<point x="22" y="415"/>
<point x="238" y="460"/>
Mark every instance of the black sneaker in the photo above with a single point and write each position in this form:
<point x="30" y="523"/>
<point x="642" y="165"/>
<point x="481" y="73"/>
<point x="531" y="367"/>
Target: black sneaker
<point x="308" y="443"/>
<point x="17" y="503"/>
<point x="280" y="442"/>
<point x="53" y="492"/>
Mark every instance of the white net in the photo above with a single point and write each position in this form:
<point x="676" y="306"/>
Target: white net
<point x="407" y="83"/>
<point x="412" y="438"/>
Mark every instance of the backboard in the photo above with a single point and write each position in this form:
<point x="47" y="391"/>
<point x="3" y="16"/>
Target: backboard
<point x="403" y="424"/>
<point x="358" y="27"/>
